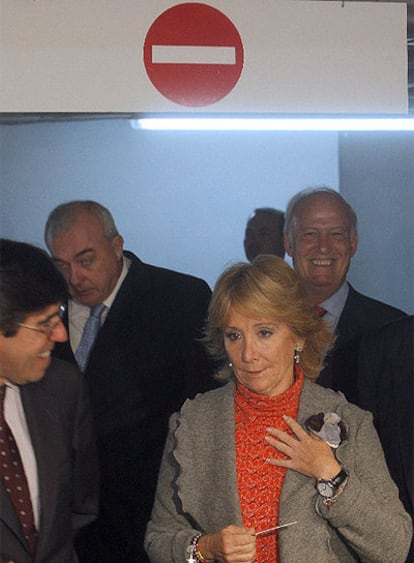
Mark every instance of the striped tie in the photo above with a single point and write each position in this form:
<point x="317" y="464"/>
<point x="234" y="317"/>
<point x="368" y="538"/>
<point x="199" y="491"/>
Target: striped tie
<point x="319" y="311"/>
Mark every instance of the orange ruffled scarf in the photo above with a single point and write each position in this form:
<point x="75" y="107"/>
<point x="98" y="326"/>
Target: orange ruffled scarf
<point x="260" y="483"/>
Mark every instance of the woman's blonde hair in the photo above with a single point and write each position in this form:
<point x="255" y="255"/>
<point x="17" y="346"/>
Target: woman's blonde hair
<point x="269" y="289"/>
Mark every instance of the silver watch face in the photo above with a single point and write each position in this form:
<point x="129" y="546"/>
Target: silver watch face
<point x="325" y="489"/>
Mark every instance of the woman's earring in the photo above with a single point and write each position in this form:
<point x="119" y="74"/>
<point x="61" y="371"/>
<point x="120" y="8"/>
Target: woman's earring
<point x="298" y="350"/>
<point x="230" y="365"/>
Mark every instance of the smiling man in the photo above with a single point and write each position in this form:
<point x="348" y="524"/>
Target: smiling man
<point x="321" y="236"/>
<point x="49" y="473"/>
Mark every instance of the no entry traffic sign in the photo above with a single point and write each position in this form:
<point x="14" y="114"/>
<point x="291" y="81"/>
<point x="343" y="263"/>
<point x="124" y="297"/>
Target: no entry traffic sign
<point x="193" y="54"/>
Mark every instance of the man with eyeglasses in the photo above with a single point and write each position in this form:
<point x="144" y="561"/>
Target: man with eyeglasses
<point x="48" y="465"/>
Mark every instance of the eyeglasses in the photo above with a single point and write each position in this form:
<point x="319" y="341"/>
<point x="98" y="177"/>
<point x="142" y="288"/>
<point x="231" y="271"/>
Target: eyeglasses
<point x="49" y="326"/>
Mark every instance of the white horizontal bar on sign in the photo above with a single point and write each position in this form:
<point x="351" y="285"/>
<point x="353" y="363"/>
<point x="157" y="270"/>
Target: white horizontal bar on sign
<point x="193" y="54"/>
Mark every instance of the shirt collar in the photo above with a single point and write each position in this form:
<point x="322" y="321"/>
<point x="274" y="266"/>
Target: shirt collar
<point x="12" y="386"/>
<point x="335" y="304"/>
<point x="126" y="262"/>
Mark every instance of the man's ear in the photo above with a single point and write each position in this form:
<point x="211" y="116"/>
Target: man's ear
<point x="118" y="246"/>
<point x="288" y="245"/>
<point x="354" y="244"/>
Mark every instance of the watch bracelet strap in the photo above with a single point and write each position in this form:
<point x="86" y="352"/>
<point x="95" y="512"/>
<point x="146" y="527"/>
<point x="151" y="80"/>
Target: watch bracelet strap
<point x="338" y="479"/>
<point x="329" y="501"/>
<point x="342" y="477"/>
<point x="334" y="482"/>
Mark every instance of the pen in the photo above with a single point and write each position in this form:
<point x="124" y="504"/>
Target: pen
<point x="270" y="530"/>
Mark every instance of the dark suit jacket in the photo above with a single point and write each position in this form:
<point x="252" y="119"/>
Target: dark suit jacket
<point x="145" y="362"/>
<point x="360" y="315"/>
<point x="59" y="422"/>
<point x="385" y="387"/>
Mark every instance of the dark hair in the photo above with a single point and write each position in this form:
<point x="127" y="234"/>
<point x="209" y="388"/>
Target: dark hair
<point x="268" y="288"/>
<point x="276" y="214"/>
<point x="271" y="211"/>
<point x="29" y="282"/>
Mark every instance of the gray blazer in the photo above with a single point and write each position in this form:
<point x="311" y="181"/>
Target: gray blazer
<point x="59" y="422"/>
<point x="197" y="488"/>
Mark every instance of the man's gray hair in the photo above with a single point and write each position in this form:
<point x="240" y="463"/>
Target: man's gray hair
<point x="63" y="216"/>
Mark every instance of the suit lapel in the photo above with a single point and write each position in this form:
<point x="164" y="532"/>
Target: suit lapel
<point x="216" y="417"/>
<point x="134" y="287"/>
<point x="348" y="322"/>
<point x="41" y="415"/>
<point x="294" y="480"/>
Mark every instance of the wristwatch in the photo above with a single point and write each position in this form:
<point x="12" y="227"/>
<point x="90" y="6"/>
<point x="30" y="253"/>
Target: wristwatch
<point x="328" y="488"/>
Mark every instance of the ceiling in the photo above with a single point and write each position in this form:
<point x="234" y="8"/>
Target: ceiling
<point x="21" y="118"/>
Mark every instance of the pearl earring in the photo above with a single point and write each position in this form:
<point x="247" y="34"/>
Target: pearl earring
<point x="298" y="350"/>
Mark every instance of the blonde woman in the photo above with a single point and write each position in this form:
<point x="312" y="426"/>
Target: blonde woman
<point x="271" y="447"/>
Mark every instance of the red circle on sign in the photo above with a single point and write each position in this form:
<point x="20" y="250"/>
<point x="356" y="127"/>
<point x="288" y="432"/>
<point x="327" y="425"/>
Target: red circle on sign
<point x="193" y="54"/>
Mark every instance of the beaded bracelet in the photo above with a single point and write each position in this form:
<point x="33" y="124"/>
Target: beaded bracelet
<point x="194" y="549"/>
<point x="198" y="554"/>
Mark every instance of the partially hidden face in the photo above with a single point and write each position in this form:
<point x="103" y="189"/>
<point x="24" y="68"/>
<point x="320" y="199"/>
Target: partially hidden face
<point x="25" y="356"/>
<point x="261" y="351"/>
<point x="263" y="235"/>
<point x="90" y="263"/>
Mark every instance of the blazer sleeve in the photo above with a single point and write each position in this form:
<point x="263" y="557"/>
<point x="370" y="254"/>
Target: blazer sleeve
<point x="368" y="514"/>
<point x="197" y="486"/>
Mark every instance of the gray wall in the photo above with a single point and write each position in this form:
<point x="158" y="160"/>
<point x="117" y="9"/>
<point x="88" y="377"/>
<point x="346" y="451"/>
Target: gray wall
<point x="181" y="199"/>
<point x="377" y="178"/>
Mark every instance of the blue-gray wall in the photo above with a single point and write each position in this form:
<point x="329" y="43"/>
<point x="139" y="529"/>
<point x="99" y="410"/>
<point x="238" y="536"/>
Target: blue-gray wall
<point x="377" y="178"/>
<point x="181" y="199"/>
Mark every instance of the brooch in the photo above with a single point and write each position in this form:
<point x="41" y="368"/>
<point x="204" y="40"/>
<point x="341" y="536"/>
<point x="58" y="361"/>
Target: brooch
<point x="328" y="426"/>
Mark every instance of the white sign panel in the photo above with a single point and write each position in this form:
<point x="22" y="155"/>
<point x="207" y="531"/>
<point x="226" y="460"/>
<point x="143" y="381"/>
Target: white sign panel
<point x="276" y="56"/>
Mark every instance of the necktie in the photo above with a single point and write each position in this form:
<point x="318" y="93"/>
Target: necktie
<point x="14" y="477"/>
<point x="319" y="311"/>
<point x="90" y="332"/>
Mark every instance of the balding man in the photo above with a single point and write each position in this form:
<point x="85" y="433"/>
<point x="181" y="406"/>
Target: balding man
<point x="321" y="236"/>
